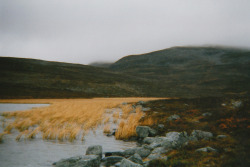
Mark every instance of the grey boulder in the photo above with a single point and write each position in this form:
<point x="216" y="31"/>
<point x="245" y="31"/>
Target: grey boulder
<point x="80" y="161"/>
<point x="94" y="150"/>
<point x="136" y="158"/>
<point x="198" y="135"/>
<point x="221" y="136"/>
<point x="142" y="151"/>
<point x="112" y="160"/>
<point x="175" y="140"/>
<point x="128" y="163"/>
<point x="173" y="117"/>
<point x="145" y="131"/>
<point x="206" y="149"/>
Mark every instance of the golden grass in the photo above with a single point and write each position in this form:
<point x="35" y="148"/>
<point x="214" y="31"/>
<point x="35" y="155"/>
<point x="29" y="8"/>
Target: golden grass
<point x="66" y="119"/>
<point x="107" y="119"/>
<point x="126" y="109"/>
<point x="148" y="121"/>
<point x="127" y="128"/>
<point x="106" y="128"/>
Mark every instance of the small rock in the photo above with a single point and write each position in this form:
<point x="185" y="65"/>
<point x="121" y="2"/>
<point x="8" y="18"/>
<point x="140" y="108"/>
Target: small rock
<point x="145" y="131"/>
<point x="206" y="114"/>
<point x="173" y="117"/>
<point x="114" y="153"/>
<point x="89" y="161"/>
<point x="141" y="102"/>
<point x="136" y="158"/>
<point x="129" y="152"/>
<point x="156" y="156"/>
<point x="155" y="145"/>
<point x="175" y="139"/>
<point x="206" y="149"/>
<point x="160" y="150"/>
<point x="236" y="103"/>
<point x="143" y="152"/>
<point x="80" y="161"/>
<point x="146" y="163"/>
<point x="112" y="160"/>
<point x="67" y="162"/>
<point x="198" y="135"/>
<point x="145" y="109"/>
<point x="128" y="163"/>
<point x="149" y="140"/>
<point x="94" y="150"/>
<point x="161" y="126"/>
<point x="118" y="164"/>
<point x="124" y="103"/>
<point x="221" y="136"/>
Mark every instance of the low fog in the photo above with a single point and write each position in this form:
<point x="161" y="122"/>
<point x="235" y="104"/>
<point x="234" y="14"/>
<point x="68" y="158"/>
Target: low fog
<point x="85" y="31"/>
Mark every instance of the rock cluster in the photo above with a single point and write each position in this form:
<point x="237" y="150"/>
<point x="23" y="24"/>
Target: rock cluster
<point x="150" y="149"/>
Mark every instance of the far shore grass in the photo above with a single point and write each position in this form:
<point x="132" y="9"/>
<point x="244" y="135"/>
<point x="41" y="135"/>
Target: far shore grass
<point x="69" y="119"/>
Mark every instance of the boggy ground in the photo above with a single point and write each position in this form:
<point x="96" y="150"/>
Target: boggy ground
<point x="64" y="119"/>
<point x="221" y="115"/>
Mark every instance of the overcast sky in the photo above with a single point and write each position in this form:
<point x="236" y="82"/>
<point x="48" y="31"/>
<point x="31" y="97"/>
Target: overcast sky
<point x="84" y="31"/>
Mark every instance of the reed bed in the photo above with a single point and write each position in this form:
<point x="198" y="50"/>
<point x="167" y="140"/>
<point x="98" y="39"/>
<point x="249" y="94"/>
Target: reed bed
<point x="127" y="127"/>
<point x="67" y="119"/>
<point x="106" y="128"/>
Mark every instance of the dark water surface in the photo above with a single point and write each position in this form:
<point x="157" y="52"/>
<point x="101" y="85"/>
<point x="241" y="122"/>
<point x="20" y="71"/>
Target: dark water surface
<point x="42" y="153"/>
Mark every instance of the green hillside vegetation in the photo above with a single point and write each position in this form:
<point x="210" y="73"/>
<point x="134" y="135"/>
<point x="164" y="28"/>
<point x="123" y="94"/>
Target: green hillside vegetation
<point x="192" y="71"/>
<point x="28" y="78"/>
<point x="175" y="72"/>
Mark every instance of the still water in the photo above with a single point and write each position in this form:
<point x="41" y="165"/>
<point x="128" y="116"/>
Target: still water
<point x="42" y="153"/>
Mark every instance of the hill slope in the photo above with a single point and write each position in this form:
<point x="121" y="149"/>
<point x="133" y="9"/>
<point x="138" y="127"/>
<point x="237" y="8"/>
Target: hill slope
<point x="174" y="72"/>
<point x="29" y="78"/>
<point x="192" y="71"/>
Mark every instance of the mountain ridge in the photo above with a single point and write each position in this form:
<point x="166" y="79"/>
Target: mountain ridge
<point x="173" y="72"/>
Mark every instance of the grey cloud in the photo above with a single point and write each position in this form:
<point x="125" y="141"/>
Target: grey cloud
<point x="83" y="31"/>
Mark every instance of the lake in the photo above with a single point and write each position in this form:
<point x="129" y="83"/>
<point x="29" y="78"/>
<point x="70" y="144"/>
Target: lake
<point x="41" y="153"/>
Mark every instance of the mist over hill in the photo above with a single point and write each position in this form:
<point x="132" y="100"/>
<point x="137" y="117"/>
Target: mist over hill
<point x="173" y="72"/>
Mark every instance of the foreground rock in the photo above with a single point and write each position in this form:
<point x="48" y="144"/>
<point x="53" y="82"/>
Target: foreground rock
<point x="171" y="141"/>
<point x="175" y="140"/>
<point x="206" y="149"/>
<point x="198" y="135"/>
<point x="173" y="117"/>
<point x="136" y="158"/>
<point x="128" y="163"/>
<point x="142" y="151"/>
<point x="94" y="150"/>
<point x="112" y="160"/>
<point x="79" y="161"/>
<point x="145" y="131"/>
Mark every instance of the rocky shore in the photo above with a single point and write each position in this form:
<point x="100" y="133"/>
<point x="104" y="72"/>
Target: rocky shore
<point x="151" y="147"/>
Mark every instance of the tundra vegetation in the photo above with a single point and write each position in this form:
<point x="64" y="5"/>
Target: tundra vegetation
<point x="227" y="118"/>
<point x="67" y="119"/>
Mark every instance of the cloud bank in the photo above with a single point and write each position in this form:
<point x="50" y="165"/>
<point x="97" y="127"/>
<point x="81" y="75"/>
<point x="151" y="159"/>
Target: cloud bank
<point x="84" y="31"/>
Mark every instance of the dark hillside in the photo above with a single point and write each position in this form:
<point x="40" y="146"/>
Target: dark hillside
<point x="192" y="71"/>
<point x="175" y="72"/>
<point x="28" y="78"/>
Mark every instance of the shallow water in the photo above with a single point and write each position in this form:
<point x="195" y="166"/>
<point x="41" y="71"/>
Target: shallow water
<point x="19" y="107"/>
<point x="42" y="153"/>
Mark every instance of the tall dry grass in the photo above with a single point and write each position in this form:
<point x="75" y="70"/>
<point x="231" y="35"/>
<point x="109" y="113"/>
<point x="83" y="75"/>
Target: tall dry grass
<point x="127" y="127"/>
<point x="66" y="119"/>
<point x="106" y="128"/>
